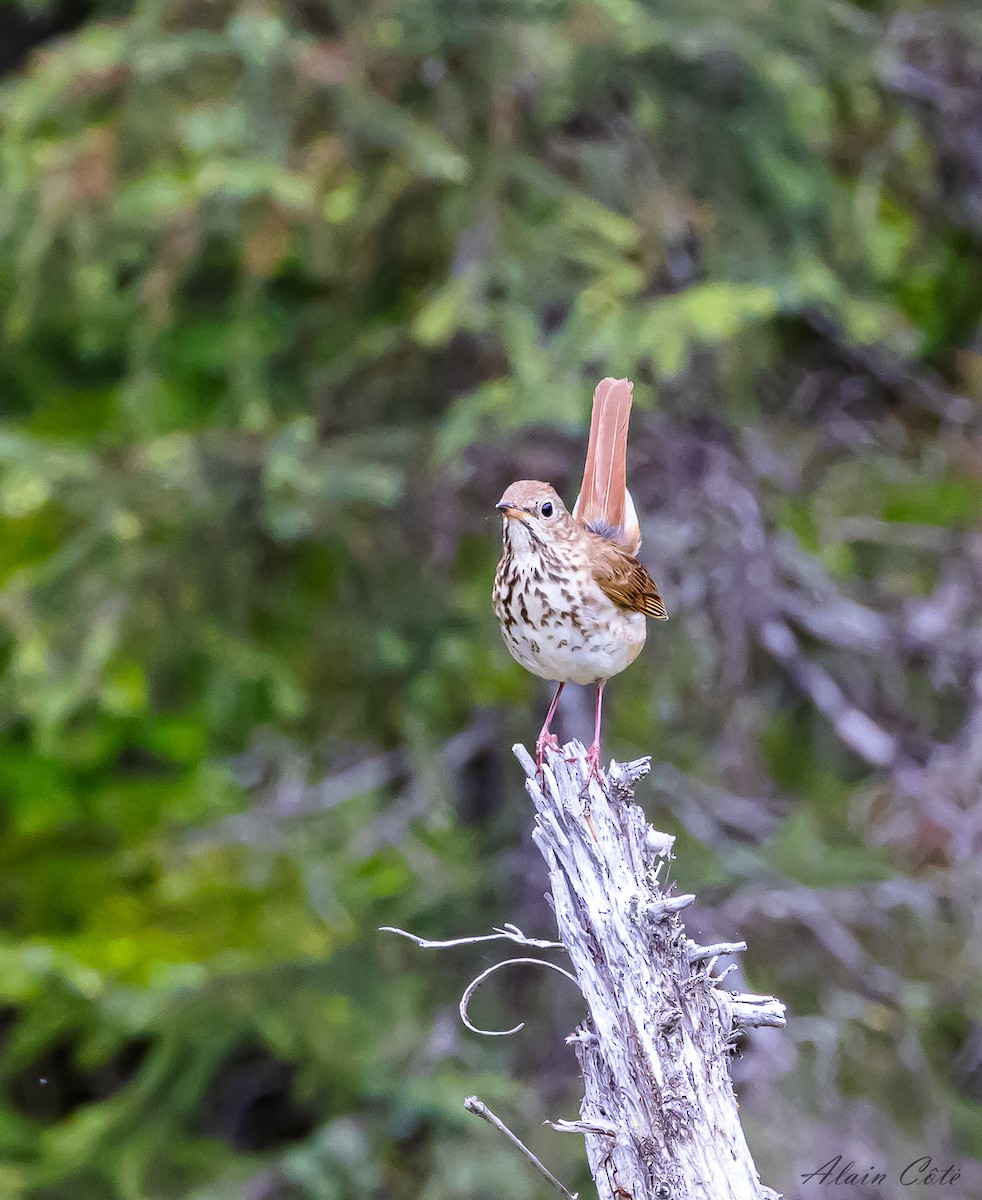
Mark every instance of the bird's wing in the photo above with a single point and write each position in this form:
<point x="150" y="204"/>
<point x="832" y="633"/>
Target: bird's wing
<point x="604" y="504"/>
<point x="624" y="580"/>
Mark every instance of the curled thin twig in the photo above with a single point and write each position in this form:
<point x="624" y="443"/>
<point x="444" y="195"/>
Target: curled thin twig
<point x="476" y="983"/>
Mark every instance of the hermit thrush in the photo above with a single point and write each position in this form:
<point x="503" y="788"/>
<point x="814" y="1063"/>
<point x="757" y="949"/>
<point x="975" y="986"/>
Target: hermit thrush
<point x="570" y="595"/>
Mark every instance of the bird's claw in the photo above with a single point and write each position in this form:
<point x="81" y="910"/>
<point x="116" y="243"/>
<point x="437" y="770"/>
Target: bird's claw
<point x="545" y="741"/>
<point x="593" y="767"/>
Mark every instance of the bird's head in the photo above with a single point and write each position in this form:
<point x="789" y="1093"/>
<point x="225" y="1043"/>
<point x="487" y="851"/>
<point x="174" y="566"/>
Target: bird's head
<point x="532" y="511"/>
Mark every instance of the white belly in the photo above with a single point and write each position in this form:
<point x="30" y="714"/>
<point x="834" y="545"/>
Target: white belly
<point x="579" y="641"/>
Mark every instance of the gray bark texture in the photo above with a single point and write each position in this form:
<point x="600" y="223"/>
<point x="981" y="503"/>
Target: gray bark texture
<point x="658" y="1114"/>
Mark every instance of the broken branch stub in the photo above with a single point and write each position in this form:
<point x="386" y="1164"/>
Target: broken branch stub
<point x="658" y="1114"/>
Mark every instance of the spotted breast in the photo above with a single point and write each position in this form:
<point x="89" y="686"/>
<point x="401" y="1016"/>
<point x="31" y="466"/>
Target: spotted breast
<point x="556" y="619"/>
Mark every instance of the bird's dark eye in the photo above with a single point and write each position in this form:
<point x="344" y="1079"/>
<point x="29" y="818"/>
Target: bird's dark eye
<point x="547" y="509"/>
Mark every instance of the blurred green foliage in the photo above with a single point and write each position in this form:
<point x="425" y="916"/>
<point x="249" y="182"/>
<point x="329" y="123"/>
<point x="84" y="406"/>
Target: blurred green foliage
<point x="287" y="292"/>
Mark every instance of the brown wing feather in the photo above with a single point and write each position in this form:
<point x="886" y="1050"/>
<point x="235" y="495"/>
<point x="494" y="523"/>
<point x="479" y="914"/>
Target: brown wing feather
<point x="601" y="502"/>
<point x="624" y="580"/>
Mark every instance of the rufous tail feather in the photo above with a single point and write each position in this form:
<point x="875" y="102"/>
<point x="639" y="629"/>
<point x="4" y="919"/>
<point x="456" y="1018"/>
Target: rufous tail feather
<point x="604" y="503"/>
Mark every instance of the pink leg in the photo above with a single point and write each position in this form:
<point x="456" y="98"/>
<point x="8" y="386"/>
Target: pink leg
<point x="546" y="739"/>
<point x="593" y="754"/>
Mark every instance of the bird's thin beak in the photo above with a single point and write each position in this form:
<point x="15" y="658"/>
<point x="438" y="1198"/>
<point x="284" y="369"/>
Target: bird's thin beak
<point x="510" y="511"/>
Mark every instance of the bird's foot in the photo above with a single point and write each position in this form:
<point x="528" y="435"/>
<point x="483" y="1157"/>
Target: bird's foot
<point x="593" y="772"/>
<point x="593" y="767"/>
<point x="544" y="742"/>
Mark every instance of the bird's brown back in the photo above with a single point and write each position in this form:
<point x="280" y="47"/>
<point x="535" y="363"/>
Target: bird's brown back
<point x="623" y="579"/>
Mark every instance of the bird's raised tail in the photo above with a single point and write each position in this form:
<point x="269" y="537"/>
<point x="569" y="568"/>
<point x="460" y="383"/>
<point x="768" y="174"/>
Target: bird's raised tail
<point x="604" y="504"/>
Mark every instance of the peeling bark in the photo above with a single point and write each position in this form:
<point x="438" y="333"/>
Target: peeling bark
<point x="658" y="1115"/>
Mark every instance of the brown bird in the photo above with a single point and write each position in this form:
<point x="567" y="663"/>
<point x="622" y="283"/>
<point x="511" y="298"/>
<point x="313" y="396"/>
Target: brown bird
<point x="570" y="595"/>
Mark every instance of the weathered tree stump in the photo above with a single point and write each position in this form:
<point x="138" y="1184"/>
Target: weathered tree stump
<point x="658" y="1114"/>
